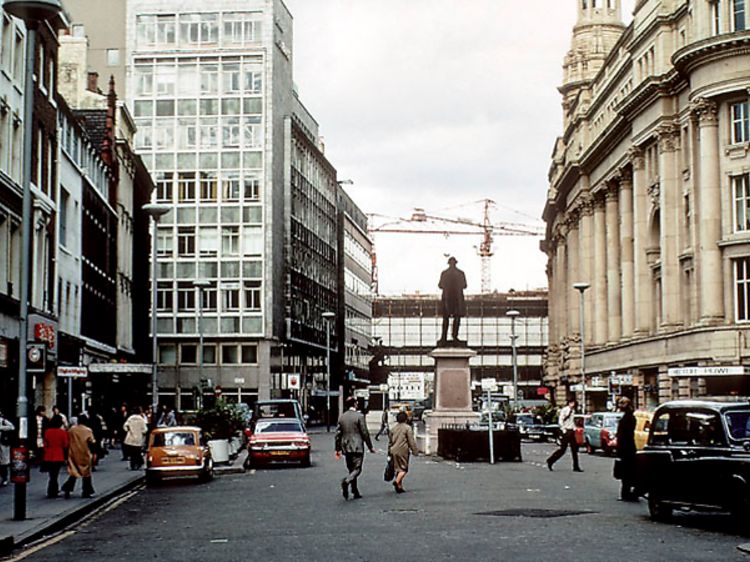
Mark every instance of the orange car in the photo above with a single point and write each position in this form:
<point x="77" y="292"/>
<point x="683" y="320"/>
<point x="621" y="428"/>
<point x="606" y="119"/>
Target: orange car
<point x="176" y="452"/>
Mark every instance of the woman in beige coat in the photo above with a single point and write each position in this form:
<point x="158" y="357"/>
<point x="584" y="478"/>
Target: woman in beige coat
<point x="401" y="442"/>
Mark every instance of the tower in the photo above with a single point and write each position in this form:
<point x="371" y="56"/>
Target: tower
<point x="598" y="28"/>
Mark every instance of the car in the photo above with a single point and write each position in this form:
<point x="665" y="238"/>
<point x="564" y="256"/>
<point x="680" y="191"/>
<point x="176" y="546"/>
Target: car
<point x="533" y="428"/>
<point x="276" y="441"/>
<point x="178" y="452"/>
<point x="600" y="432"/>
<point x="697" y="458"/>
<point x="579" y="420"/>
<point x="278" y="408"/>
<point x="642" y="426"/>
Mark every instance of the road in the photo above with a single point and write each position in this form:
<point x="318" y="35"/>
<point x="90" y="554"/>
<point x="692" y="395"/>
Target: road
<point x="472" y="512"/>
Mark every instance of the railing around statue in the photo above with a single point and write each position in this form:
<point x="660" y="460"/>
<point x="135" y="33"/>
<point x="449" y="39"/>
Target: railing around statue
<point x="465" y="443"/>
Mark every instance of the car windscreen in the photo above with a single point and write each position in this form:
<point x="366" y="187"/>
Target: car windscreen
<point x="611" y="421"/>
<point x="174" y="439"/>
<point x="280" y="426"/>
<point x="739" y="424"/>
<point x="276" y="410"/>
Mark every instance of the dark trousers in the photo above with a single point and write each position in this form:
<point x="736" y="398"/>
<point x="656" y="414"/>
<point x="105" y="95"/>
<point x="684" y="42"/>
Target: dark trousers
<point x="4" y="472"/>
<point x="70" y="484"/>
<point x="135" y="455"/>
<point x="53" y="471"/>
<point x="569" y="437"/>
<point x="354" y="466"/>
<point x="456" y="326"/>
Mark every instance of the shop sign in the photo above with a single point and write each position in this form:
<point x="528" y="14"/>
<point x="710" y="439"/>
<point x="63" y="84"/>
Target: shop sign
<point x="294" y="381"/>
<point x="708" y="371"/>
<point x="19" y="465"/>
<point x="45" y="333"/>
<point x="72" y="372"/>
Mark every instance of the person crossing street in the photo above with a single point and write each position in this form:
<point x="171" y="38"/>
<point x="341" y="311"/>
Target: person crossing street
<point x="568" y="427"/>
<point x="351" y="437"/>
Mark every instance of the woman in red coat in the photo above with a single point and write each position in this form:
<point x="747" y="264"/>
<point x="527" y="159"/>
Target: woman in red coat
<point x="56" y="443"/>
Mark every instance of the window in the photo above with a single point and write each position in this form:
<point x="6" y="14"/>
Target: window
<point x="164" y="296"/>
<point x="740" y="122"/>
<point x="738" y="13"/>
<point x="164" y="186"/>
<point x="252" y="132"/>
<point x="231" y="186"/>
<point x="208" y="240"/>
<point x="252" y="295"/>
<point x="64" y="199"/>
<point x="742" y="289"/>
<point x="185" y="297"/>
<point x="253" y="80"/>
<point x="241" y="28"/>
<point x="230" y="132"/>
<point x="741" y="189"/>
<point x="252" y="240"/>
<point x="7" y="45"/>
<point x="209" y="298"/>
<point x="231" y="78"/>
<point x="186" y="241"/>
<point x="230" y="240"/>
<point x="208" y="186"/>
<point x="164" y="241"/>
<point x="252" y="188"/>
<point x="209" y="79"/>
<point x="186" y="186"/>
<point x="199" y="29"/>
<point x="229" y="354"/>
<point x="250" y="354"/>
<point x="716" y="17"/>
<point x="167" y="355"/>
<point x="164" y="79"/>
<point x="188" y="354"/>
<point x="187" y="134"/>
<point x="230" y="298"/>
<point x="209" y="129"/>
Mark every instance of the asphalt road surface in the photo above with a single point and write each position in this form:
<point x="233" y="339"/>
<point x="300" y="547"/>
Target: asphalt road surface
<point x="471" y="512"/>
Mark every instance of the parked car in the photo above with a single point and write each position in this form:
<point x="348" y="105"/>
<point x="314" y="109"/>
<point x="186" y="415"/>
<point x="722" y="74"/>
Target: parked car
<point x="697" y="457"/>
<point x="533" y="428"/>
<point x="278" y="408"/>
<point x="600" y="432"/>
<point x="642" y="426"/>
<point x="580" y="423"/>
<point x="177" y="452"/>
<point x="279" y="441"/>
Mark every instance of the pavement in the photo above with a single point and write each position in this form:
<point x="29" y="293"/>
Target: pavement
<point x="45" y="517"/>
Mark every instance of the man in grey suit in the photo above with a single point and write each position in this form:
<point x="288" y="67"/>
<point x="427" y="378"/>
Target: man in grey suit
<point x="351" y="438"/>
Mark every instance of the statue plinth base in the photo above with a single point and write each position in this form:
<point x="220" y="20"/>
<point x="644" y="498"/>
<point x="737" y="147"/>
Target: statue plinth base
<point x="452" y="393"/>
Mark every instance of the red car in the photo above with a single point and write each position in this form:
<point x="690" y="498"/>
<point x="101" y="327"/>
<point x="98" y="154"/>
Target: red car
<point x="277" y="441"/>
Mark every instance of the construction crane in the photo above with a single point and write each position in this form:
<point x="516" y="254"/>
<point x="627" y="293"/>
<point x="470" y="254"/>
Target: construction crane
<point x="488" y="229"/>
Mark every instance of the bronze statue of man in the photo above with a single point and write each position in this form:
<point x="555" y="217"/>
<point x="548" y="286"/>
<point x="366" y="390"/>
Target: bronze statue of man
<point x="452" y="304"/>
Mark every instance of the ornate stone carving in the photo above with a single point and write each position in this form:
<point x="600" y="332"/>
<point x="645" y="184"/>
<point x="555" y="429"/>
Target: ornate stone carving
<point x="635" y="155"/>
<point x="706" y="111"/>
<point x="668" y="134"/>
<point x="654" y="192"/>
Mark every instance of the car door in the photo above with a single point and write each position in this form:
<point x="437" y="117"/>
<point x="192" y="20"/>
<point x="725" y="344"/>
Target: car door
<point x="592" y="429"/>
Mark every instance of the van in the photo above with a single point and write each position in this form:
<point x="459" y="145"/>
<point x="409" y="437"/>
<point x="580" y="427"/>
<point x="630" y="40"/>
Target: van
<point x="642" y="426"/>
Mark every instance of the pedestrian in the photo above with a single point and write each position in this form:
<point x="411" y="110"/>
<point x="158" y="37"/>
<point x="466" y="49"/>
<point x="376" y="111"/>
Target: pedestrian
<point x="351" y="438"/>
<point x="401" y="442"/>
<point x="56" y="444"/>
<point x="626" y="451"/>
<point x="56" y="412"/>
<point x="135" y="432"/>
<point x="568" y="427"/>
<point x="167" y="417"/>
<point x="384" y="429"/>
<point x="6" y="437"/>
<point x="80" y="458"/>
<point x="121" y="418"/>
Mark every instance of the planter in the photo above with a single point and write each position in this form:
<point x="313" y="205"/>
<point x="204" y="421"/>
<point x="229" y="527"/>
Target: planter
<point x="219" y="450"/>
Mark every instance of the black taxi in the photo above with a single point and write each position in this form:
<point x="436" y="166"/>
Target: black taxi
<point x="697" y="457"/>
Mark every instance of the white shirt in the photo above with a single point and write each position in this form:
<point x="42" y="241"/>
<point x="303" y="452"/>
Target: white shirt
<point x="567" y="421"/>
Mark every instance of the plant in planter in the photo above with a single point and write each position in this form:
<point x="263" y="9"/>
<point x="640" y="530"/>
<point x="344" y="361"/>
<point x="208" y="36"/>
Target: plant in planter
<point x="222" y="421"/>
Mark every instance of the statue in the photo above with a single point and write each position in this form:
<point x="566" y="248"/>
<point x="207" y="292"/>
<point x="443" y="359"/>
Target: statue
<point x="452" y="304"/>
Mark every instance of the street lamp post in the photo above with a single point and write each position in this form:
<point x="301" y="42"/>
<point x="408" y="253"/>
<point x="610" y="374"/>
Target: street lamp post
<point x="32" y="12"/>
<point x="581" y="288"/>
<point x="513" y="315"/>
<point x="201" y="285"/>
<point x="328" y="316"/>
<point x="155" y="211"/>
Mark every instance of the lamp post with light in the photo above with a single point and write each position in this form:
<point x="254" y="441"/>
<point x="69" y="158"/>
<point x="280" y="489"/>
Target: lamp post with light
<point x="581" y="288"/>
<point x="513" y="315"/>
<point x="155" y="211"/>
<point x="328" y="317"/>
<point x="32" y="12"/>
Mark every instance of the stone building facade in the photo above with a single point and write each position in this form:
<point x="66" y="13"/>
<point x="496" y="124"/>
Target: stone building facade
<point x="649" y="204"/>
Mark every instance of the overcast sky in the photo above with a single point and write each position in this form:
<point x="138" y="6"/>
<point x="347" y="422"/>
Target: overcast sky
<point x="439" y="104"/>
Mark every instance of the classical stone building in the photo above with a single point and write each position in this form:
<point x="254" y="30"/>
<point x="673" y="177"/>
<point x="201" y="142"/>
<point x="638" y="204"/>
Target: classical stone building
<point x="649" y="204"/>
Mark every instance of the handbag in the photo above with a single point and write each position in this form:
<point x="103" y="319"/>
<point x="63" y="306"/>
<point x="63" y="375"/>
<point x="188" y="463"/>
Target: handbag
<point x="390" y="469"/>
<point x="617" y="470"/>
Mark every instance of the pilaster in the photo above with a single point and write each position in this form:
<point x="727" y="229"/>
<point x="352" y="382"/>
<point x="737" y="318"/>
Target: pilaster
<point x="641" y="274"/>
<point x="600" y="273"/>
<point x="614" y="301"/>
<point x="627" y="256"/>
<point x="668" y="135"/>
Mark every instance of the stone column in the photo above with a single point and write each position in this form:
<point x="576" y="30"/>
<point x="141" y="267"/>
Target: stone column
<point x="626" y="256"/>
<point x="709" y="214"/>
<point x="561" y="307"/>
<point x="585" y="253"/>
<point x="641" y="273"/>
<point x="599" y="286"/>
<point x="574" y="315"/>
<point x="614" y="314"/>
<point x="669" y="207"/>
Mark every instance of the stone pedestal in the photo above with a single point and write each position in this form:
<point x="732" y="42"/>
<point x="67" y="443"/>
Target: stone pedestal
<point x="452" y="393"/>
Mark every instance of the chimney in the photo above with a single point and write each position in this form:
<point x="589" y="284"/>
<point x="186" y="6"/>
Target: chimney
<point x="93" y="81"/>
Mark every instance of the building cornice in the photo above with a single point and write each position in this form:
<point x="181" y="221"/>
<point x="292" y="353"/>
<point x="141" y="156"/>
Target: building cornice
<point x="713" y="49"/>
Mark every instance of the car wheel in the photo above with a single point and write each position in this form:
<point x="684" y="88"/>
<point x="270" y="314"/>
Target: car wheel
<point x="306" y="461"/>
<point x="605" y="449"/>
<point x="152" y="479"/>
<point x="657" y="509"/>
<point x="208" y="474"/>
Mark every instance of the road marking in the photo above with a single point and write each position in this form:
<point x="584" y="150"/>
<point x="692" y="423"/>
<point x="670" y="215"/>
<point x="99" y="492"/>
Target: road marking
<point x="42" y="546"/>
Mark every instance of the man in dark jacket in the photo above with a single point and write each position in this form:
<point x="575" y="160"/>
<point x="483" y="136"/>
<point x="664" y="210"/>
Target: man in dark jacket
<point x="452" y="304"/>
<point x="626" y="450"/>
<point x="351" y="437"/>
